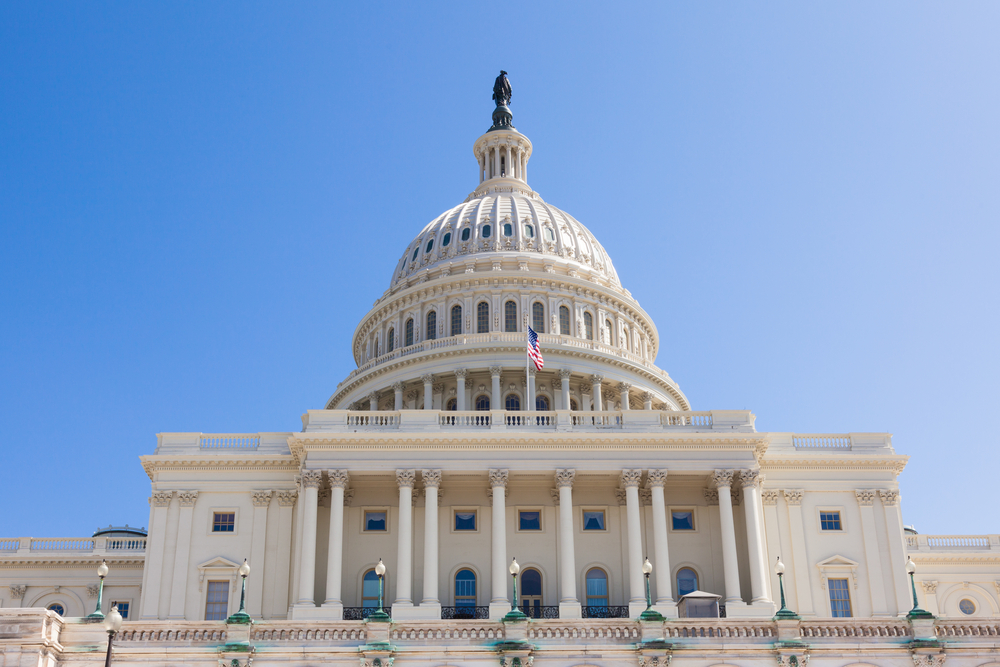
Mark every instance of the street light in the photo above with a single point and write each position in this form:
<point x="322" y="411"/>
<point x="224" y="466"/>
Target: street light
<point x="242" y="616"/>
<point x="380" y="616"/>
<point x="112" y="623"/>
<point x="784" y="612"/>
<point x="916" y="612"/>
<point x="649" y="614"/>
<point x="102" y="571"/>
<point x="515" y="614"/>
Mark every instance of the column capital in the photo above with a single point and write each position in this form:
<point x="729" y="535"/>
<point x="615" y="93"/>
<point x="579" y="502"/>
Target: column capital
<point x="532" y="372"/>
<point x="565" y="373"/>
<point x="286" y="497"/>
<point x="161" y="498"/>
<point x="397" y="386"/>
<point x="187" y="498"/>
<point x="623" y="387"/>
<point x="657" y="477"/>
<point x="431" y="477"/>
<point x="461" y="373"/>
<point x="498" y="477"/>
<point x="596" y="379"/>
<point x="427" y="378"/>
<point x="372" y="396"/>
<point x="866" y="497"/>
<point x="648" y="396"/>
<point x="793" y="496"/>
<point x="712" y="496"/>
<point x="339" y="477"/>
<point x="723" y="478"/>
<point x="751" y="478"/>
<point x="311" y="479"/>
<point x="631" y="477"/>
<point x="261" y="497"/>
<point x="405" y="478"/>
<point x="496" y="371"/>
<point x="769" y="496"/>
<point x="565" y="477"/>
<point x="889" y="497"/>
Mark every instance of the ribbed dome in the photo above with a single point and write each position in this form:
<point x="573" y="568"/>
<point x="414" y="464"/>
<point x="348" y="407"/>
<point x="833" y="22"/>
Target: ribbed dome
<point x="517" y="221"/>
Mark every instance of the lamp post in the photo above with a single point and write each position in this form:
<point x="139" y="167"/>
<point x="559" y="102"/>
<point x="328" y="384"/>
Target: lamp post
<point x="242" y="616"/>
<point x="102" y="571"/>
<point x="515" y="614"/>
<point x="649" y="614"/>
<point x="380" y="616"/>
<point x="112" y="623"/>
<point x="784" y="612"/>
<point x="916" y="612"/>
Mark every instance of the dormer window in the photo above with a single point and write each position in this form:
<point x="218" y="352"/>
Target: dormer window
<point x="465" y="234"/>
<point x="415" y="251"/>
<point x="446" y="240"/>
<point x="486" y="231"/>
<point x="430" y="246"/>
<point x="529" y="231"/>
<point x="549" y="234"/>
<point x="508" y="229"/>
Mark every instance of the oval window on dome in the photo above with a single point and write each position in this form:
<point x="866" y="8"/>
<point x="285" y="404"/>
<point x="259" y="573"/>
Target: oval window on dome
<point x="416" y="250"/>
<point x="529" y="231"/>
<point x="465" y="234"/>
<point x="430" y="246"/>
<point x="446" y="240"/>
<point x="486" y="231"/>
<point x="508" y="229"/>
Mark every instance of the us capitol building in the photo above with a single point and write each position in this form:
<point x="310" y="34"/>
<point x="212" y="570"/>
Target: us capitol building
<point x="446" y="457"/>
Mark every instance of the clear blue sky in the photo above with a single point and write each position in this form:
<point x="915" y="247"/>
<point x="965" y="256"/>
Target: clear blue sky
<point x="199" y="201"/>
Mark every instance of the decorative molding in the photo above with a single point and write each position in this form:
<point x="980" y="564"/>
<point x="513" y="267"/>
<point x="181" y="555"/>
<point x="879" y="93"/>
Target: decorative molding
<point x="162" y="498"/>
<point x="496" y="371"/>
<point x="397" y="386"/>
<point x="431" y="477"/>
<point x="311" y="479"/>
<point x="793" y="659"/>
<point x="751" y="478"/>
<point x="461" y="373"/>
<point x="405" y="477"/>
<point x="596" y="379"/>
<point x="187" y="498"/>
<point x="376" y="662"/>
<point x="646" y="497"/>
<point x="648" y="397"/>
<point x="656" y="477"/>
<point x="17" y="591"/>
<point x="889" y="497"/>
<point x="621" y="496"/>
<point x="769" y="496"/>
<point x="92" y="590"/>
<point x="723" y="478"/>
<point x="348" y="497"/>
<point x="565" y="477"/>
<point x="498" y="477"/>
<point x="866" y="497"/>
<point x="554" y="492"/>
<point x="564" y="374"/>
<point x="261" y="498"/>
<point x="339" y="477"/>
<point x="712" y="496"/>
<point x="286" y="497"/>
<point x="793" y="496"/>
<point x="631" y="477"/>
<point x="427" y="379"/>
<point x="655" y="660"/>
<point x="930" y="587"/>
<point x="928" y="659"/>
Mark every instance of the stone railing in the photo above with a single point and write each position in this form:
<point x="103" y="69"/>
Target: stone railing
<point x="814" y="629"/>
<point x="62" y="544"/>
<point x="948" y="629"/>
<point x="243" y="441"/>
<point x="76" y="545"/>
<point x="822" y="441"/>
<point x="918" y="543"/>
<point x="468" y="630"/>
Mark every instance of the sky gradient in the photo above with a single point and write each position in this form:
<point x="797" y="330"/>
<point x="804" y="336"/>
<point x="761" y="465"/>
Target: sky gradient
<point x="200" y="201"/>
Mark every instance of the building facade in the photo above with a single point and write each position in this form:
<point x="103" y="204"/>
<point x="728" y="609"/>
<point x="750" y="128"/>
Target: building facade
<point x="446" y="454"/>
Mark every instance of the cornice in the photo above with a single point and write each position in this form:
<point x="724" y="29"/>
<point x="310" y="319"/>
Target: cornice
<point x="131" y="562"/>
<point x="153" y="463"/>
<point x="893" y="464"/>
<point x="956" y="558"/>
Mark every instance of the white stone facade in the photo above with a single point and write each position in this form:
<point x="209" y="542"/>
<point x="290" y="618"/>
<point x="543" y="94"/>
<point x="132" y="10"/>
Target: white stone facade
<point x="580" y="470"/>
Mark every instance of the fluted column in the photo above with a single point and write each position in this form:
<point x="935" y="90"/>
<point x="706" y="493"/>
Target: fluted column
<point x="630" y="479"/>
<point x="623" y="387"/>
<point x="564" y="376"/>
<point x="869" y="534"/>
<point x="339" y="479"/>
<point x="178" y="593"/>
<point x="647" y="400"/>
<point x="897" y="550"/>
<point x="595" y="384"/>
<point x="460" y="391"/>
<point x="496" y="400"/>
<point x="397" y="390"/>
<point x="260" y="499"/>
<point x="428" y="381"/>
<point x="724" y="483"/>
<point x="656" y="480"/>
<point x="153" y="575"/>
<point x="530" y="399"/>
<point x="404" y="552"/>
<point x="751" y="480"/>
<point x="307" y="565"/>
<point x="499" y="605"/>
<point x="569" y="603"/>
<point x="432" y="482"/>
<point x="373" y="401"/>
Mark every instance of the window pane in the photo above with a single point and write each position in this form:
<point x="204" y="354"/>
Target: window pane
<point x="512" y="402"/>
<point x="456" y="320"/>
<point x="483" y="403"/>
<point x="446" y="240"/>
<point x="486" y="231"/>
<point x="483" y="317"/>
<point x="465" y="520"/>
<point x="510" y="316"/>
<point x="432" y="325"/>
<point x="593" y="520"/>
<point x="538" y="317"/>
<point x="122" y="608"/>
<point x="840" y="598"/>
<point x="430" y="246"/>
<point x="588" y="324"/>
<point x="597" y="588"/>
<point x="687" y="581"/>
<point x="224" y="522"/>
<point x="530" y="520"/>
<point x="392" y="340"/>
<point x="531" y="582"/>
<point x="564" y="320"/>
<point x="465" y="234"/>
<point x="508" y="230"/>
<point x="829" y="520"/>
<point x="529" y="231"/>
<point x="409" y="332"/>
<point x="374" y="520"/>
<point x="217" y="601"/>
<point x="683" y="519"/>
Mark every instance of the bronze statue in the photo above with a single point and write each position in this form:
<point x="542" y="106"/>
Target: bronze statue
<point x="501" y="90"/>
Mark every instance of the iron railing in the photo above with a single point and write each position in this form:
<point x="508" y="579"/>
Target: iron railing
<point x="605" y="612"/>
<point x="465" y="612"/>
<point x="540" y="612"/>
<point x="361" y="613"/>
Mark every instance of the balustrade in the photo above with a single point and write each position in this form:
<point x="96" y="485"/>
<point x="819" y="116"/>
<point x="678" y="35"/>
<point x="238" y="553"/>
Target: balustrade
<point x="229" y="441"/>
<point x="62" y="544"/>
<point x="822" y="441"/>
<point x="464" y="612"/>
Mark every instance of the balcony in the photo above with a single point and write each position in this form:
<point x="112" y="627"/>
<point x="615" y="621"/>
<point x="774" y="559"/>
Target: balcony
<point x="465" y="613"/>
<point x="951" y="543"/>
<point x="361" y="613"/>
<point x="606" y="612"/>
<point x="98" y="546"/>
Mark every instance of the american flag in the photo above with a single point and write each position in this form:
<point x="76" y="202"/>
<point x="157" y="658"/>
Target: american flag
<point x="533" y="350"/>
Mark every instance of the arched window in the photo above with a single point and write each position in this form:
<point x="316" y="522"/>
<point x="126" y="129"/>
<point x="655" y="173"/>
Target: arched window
<point x="538" y="317"/>
<point x="446" y="240"/>
<point x="465" y="234"/>
<point x="542" y="403"/>
<point x="378" y="350"/>
<point x="415" y="251"/>
<point x="57" y="608"/>
<point x="564" y="320"/>
<point x="531" y="592"/>
<point x="452" y="404"/>
<point x="588" y="325"/>
<point x="508" y="229"/>
<point x="432" y="325"/>
<point x="510" y="316"/>
<point x="483" y="402"/>
<point x="486" y="231"/>
<point x="597" y="587"/>
<point x="609" y="333"/>
<point x="465" y="591"/>
<point x="392" y="340"/>
<point x="687" y="581"/>
<point x="456" y="320"/>
<point x="512" y="402"/>
<point x="529" y="231"/>
<point x="573" y="404"/>
<point x="409" y="332"/>
<point x="430" y="246"/>
<point x="369" y="590"/>
<point x="483" y="317"/>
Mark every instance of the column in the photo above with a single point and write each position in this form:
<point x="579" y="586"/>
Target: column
<point x="496" y="400"/>
<point x="569" y="603"/>
<point x="428" y="381"/>
<point x="656" y="480"/>
<point x="772" y="538"/>
<point x="630" y="479"/>
<point x="339" y="478"/>
<point x="866" y="500"/>
<point x="460" y="391"/>
<point x="800" y="564"/>
<point x="373" y="401"/>
<point x="623" y="387"/>
<point x="499" y="604"/>
<point x="930" y="597"/>
<point x="897" y="554"/>
<point x="524" y="171"/>
<point x="432" y="482"/>
<point x="297" y="543"/>
<point x="507" y="172"/>
<point x="404" y="553"/>
<point x="595" y="384"/>
<point x="647" y="400"/>
<point x="261" y="499"/>
<point x="724" y="482"/>
<point x="307" y="564"/>
<point x="564" y="375"/>
<point x="178" y="591"/>
<point x="280" y="598"/>
<point x="529" y="401"/>
<point x="482" y="167"/>
<point x="496" y="161"/>
<point x="751" y="480"/>
<point x="397" y="389"/>
<point x="155" y="545"/>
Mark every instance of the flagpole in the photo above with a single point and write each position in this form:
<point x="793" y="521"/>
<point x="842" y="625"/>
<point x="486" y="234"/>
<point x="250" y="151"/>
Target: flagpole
<point x="527" y="361"/>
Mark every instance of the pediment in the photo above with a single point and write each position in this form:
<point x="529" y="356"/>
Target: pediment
<point x="837" y="561"/>
<point x="218" y="563"/>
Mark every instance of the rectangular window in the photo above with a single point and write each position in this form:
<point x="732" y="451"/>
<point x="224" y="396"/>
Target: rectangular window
<point x="465" y="519"/>
<point x="529" y="520"/>
<point x="375" y="521"/>
<point x="217" y="602"/>
<point x="682" y="519"/>
<point x="829" y="521"/>
<point x="223" y="522"/>
<point x="123" y="606"/>
<point x="593" y="519"/>
<point x="840" y="598"/>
